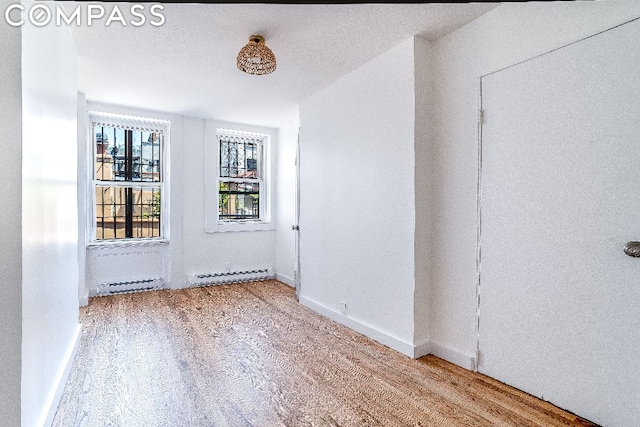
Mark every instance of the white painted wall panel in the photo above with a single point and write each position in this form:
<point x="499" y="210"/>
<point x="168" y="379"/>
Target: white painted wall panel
<point x="127" y="263"/>
<point x="357" y="194"/>
<point x="560" y="301"/>
<point x="424" y="141"/>
<point x="141" y="261"/>
<point x="83" y="289"/>
<point x="210" y="252"/>
<point x="10" y="222"/>
<point x="49" y="215"/>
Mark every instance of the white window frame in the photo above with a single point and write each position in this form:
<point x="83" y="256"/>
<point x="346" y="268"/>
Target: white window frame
<point x="130" y="123"/>
<point x="212" y="178"/>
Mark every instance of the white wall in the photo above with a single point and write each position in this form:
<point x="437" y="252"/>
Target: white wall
<point x="106" y="264"/>
<point x="357" y="198"/>
<point x="423" y="246"/>
<point x="49" y="211"/>
<point x="83" y="289"/>
<point x="10" y="222"/>
<point x="504" y="36"/>
<point x="214" y="251"/>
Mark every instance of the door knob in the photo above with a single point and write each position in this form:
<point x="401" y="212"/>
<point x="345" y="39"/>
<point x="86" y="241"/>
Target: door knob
<point x="632" y="249"/>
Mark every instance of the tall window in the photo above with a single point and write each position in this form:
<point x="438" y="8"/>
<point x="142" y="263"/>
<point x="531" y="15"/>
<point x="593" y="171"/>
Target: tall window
<point x="240" y="184"/>
<point x="128" y="179"/>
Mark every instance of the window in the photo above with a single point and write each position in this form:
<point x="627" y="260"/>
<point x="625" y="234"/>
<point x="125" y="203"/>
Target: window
<point x="127" y="178"/>
<point x="237" y="177"/>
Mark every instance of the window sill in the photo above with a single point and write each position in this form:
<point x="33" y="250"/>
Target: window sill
<point x="225" y="227"/>
<point x="129" y="243"/>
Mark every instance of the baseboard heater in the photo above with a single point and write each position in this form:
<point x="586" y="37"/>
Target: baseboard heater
<point x="230" y="277"/>
<point x="130" y="286"/>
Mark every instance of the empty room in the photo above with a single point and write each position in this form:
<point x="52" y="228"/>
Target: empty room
<point x="283" y="214"/>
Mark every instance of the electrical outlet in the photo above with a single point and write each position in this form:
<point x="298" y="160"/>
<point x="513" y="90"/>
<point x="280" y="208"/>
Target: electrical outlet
<point x="227" y="267"/>
<point x="343" y="308"/>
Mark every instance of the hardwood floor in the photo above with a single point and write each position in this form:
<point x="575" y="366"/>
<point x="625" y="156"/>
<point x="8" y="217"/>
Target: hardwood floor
<point x="250" y="355"/>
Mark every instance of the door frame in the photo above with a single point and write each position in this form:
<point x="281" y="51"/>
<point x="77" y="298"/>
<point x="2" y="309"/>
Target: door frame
<point x="296" y="227"/>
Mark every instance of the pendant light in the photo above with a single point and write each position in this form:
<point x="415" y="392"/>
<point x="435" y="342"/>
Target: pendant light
<point x="256" y="58"/>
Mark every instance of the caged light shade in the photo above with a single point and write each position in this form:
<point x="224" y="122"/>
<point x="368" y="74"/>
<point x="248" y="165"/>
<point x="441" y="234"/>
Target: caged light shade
<point x="256" y="58"/>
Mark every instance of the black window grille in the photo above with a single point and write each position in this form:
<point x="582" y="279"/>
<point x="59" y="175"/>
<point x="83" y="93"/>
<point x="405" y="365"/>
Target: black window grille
<point x="238" y="158"/>
<point x="238" y="200"/>
<point x="127" y="156"/>
<point x="127" y="212"/>
<point x="240" y="181"/>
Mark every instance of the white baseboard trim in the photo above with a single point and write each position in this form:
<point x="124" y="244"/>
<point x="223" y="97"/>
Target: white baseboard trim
<point x="63" y="375"/>
<point x="456" y="357"/>
<point x="422" y="349"/>
<point x="285" y="279"/>
<point x="83" y="301"/>
<point x="177" y="284"/>
<point x="383" y="338"/>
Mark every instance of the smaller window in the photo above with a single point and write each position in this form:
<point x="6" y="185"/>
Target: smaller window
<point x="240" y="180"/>
<point x="237" y="179"/>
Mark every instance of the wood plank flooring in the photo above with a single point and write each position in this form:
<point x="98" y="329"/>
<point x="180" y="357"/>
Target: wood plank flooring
<point x="250" y="355"/>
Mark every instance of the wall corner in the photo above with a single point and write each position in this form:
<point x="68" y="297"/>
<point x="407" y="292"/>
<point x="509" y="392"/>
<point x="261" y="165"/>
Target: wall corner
<point x="11" y="335"/>
<point x="423" y="187"/>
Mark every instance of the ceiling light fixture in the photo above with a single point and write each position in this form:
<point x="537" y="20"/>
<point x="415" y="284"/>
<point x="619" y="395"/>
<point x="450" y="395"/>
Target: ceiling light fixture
<point x="256" y="58"/>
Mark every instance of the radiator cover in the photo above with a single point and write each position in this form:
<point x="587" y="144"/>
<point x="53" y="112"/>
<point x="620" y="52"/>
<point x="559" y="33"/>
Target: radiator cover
<point x="230" y="277"/>
<point x="115" y="288"/>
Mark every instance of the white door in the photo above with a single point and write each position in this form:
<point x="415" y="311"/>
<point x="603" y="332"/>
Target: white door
<point x="560" y="198"/>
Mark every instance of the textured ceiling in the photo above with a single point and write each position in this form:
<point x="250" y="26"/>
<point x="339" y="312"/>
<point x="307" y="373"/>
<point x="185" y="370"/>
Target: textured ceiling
<point x="187" y="65"/>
